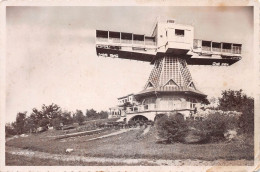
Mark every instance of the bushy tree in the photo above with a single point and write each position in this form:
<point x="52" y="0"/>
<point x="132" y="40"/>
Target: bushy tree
<point x="103" y="115"/>
<point x="56" y="123"/>
<point x="44" y="122"/>
<point x="67" y="118"/>
<point x="9" y="130"/>
<point x="30" y="124"/>
<point x="51" y="111"/>
<point x="79" y="117"/>
<point x="246" y="120"/>
<point x="171" y="128"/>
<point x="91" y="114"/>
<point x="232" y="100"/>
<point x="20" y="122"/>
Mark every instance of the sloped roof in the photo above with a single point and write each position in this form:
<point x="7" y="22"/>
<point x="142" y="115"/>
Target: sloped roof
<point x="170" y="89"/>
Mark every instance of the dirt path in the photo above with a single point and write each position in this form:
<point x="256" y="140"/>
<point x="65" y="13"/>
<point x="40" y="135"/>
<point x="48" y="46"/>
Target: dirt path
<point x="129" y="161"/>
<point x="112" y="134"/>
<point x="76" y="134"/>
<point x="146" y="130"/>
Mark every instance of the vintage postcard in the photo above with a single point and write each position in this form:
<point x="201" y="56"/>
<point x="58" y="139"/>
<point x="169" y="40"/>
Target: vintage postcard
<point x="130" y="86"/>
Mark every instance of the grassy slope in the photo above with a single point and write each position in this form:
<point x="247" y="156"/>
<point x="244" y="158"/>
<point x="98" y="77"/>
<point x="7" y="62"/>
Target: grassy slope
<point x="127" y="145"/>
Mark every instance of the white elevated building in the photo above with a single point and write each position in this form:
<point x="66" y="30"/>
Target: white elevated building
<point x="170" y="48"/>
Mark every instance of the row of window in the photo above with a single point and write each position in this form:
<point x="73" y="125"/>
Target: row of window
<point x="116" y="112"/>
<point x="217" y="46"/>
<point x="128" y="99"/>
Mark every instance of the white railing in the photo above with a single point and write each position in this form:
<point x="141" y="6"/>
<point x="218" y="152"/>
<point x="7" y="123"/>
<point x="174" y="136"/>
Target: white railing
<point x="236" y="50"/>
<point x="150" y="42"/>
<point x="102" y="39"/>
<point x="138" y="42"/>
<point x="216" y="49"/>
<point x="226" y="50"/>
<point x="126" y="41"/>
<point x="114" y="40"/>
<point x="204" y="48"/>
<point x="141" y="108"/>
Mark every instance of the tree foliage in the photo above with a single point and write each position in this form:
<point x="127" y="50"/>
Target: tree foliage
<point x="79" y="117"/>
<point x="232" y="100"/>
<point x="91" y="114"/>
<point x="47" y="116"/>
<point x="20" y="122"/>
<point x="171" y="128"/>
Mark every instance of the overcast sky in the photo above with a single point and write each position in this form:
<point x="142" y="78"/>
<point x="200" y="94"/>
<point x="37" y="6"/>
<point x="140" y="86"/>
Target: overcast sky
<point x="51" y="56"/>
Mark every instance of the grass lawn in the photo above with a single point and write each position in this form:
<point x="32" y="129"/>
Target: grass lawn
<point x="128" y="145"/>
<point x="19" y="160"/>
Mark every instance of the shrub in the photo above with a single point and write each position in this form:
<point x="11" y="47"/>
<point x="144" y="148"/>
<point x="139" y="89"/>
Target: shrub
<point x="172" y="128"/>
<point x="238" y="101"/>
<point x="215" y="125"/>
<point x="131" y="123"/>
<point x="196" y="136"/>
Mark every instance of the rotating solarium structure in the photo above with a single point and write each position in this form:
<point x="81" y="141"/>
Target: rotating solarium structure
<point x="170" y="48"/>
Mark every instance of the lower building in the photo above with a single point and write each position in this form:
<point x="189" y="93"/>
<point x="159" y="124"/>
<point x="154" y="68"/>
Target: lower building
<point x="169" y="89"/>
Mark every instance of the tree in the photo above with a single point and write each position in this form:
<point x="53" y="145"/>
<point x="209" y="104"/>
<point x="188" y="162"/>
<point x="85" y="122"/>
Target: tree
<point x="43" y="118"/>
<point x="44" y="122"/>
<point x="20" y="122"/>
<point x="246" y="120"/>
<point x="66" y="118"/>
<point x="91" y="114"/>
<point x="79" y="117"/>
<point x="37" y="116"/>
<point x="103" y="115"/>
<point x="9" y="130"/>
<point x="56" y="123"/>
<point x="30" y="124"/>
<point x="232" y="100"/>
<point x="52" y="111"/>
<point x="171" y="128"/>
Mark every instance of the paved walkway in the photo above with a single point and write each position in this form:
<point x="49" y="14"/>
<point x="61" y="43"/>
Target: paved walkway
<point x="129" y="161"/>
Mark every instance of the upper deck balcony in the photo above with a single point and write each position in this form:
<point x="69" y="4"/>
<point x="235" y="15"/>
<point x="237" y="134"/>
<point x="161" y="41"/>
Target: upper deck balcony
<point x="217" y="48"/>
<point x="125" y="45"/>
<point x="124" y="39"/>
<point x="214" y="53"/>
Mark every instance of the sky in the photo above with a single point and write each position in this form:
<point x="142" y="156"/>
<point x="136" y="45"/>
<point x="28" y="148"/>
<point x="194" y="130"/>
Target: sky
<point x="51" y="55"/>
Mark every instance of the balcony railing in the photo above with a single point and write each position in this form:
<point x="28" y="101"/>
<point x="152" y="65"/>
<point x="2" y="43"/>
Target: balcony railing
<point x="217" y="46"/>
<point x="150" y="42"/>
<point x="126" y="41"/>
<point x="204" y="48"/>
<point x="236" y="50"/>
<point x="141" y="108"/>
<point x="99" y="39"/>
<point x="138" y="42"/>
<point x="216" y="49"/>
<point x="226" y="50"/>
<point x="124" y="38"/>
<point x="114" y="40"/>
